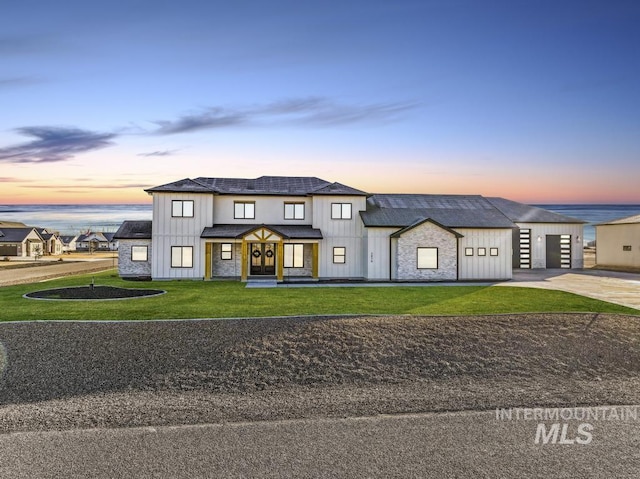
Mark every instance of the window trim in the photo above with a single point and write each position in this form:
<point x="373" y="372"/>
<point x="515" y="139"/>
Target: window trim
<point x="418" y="257"/>
<point x="337" y="255"/>
<point x="146" y="253"/>
<point x="244" y="210"/>
<point x="482" y="251"/>
<point x="292" y="255"/>
<point x="468" y="251"/>
<point x="342" y="212"/>
<point x="493" y="251"/>
<point x="223" y="251"/>
<point x="294" y="204"/>
<point x="182" y="203"/>
<point x="181" y="256"/>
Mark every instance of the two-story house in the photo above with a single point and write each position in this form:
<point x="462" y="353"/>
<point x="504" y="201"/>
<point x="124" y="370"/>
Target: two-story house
<point x="291" y="228"/>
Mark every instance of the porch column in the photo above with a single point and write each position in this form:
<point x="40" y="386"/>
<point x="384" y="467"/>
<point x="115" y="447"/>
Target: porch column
<point x="280" y="261"/>
<point x="244" y="261"/>
<point x="314" y="261"/>
<point x="207" y="260"/>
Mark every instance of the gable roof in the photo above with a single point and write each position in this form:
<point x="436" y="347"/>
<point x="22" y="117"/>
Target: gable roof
<point x="629" y="220"/>
<point x="16" y="235"/>
<point x="399" y="233"/>
<point x="134" y="230"/>
<point x="452" y="211"/>
<point x="264" y="185"/>
<point x="521" y="213"/>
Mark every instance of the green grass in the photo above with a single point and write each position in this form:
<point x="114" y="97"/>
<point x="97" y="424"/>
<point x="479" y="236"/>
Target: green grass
<point x="197" y="299"/>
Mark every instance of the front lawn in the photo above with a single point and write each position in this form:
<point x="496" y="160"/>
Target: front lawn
<point x="198" y="299"/>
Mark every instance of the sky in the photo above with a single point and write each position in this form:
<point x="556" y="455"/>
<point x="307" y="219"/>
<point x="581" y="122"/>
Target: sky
<point x="536" y="101"/>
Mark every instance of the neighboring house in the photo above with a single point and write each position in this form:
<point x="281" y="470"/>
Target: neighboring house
<point x="68" y="242"/>
<point x="307" y="228"/>
<point x="618" y="243"/>
<point x="134" y="249"/>
<point x="21" y="242"/>
<point x="91" y="241"/>
<point x="51" y="242"/>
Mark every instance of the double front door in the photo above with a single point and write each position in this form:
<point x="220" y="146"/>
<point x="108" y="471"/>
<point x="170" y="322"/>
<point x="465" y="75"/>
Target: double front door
<point x="263" y="258"/>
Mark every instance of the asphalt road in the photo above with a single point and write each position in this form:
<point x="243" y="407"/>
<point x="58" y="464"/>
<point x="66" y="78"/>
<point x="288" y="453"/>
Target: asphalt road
<point x="447" y="445"/>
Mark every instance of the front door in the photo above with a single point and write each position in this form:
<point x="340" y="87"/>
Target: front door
<point x="263" y="259"/>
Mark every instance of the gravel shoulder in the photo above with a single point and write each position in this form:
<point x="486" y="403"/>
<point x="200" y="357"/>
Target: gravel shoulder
<point x="61" y="375"/>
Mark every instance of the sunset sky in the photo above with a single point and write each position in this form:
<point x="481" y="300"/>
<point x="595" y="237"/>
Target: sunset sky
<point x="536" y="101"/>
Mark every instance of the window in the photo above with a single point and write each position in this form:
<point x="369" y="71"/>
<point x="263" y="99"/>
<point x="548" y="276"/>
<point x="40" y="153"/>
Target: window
<point x="226" y="250"/>
<point x="626" y="248"/>
<point x="244" y="210"/>
<point x="139" y="253"/>
<point x="294" y="211"/>
<point x="182" y="256"/>
<point x="427" y="258"/>
<point x="482" y="251"/>
<point x="294" y="256"/>
<point x="340" y="211"/>
<point x="182" y="208"/>
<point x="339" y="254"/>
<point x="493" y="251"/>
<point x="468" y="251"/>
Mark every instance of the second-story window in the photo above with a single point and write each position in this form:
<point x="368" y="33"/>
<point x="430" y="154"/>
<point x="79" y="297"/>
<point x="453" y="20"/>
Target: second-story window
<point x="182" y="208"/>
<point x="340" y="211"/>
<point x="244" y="210"/>
<point x="294" y="211"/>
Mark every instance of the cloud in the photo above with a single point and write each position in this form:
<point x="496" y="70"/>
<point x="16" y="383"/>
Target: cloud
<point x="90" y="186"/>
<point x="11" y="82"/>
<point x="311" y="111"/>
<point x="53" y="144"/>
<point x="158" y="153"/>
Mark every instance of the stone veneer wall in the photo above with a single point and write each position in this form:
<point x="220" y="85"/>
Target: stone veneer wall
<point x="134" y="269"/>
<point x="227" y="268"/>
<point x="427" y="235"/>
<point x="307" y="255"/>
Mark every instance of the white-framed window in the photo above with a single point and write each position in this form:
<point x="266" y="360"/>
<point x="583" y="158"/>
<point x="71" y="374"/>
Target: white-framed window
<point x="482" y="251"/>
<point x="294" y="211"/>
<point x="139" y="253"/>
<point x="339" y="254"/>
<point x="493" y="251"/>
<point x="226" y="251"/>
<point x="182" y="256"/>
<point x="244" y="210"/>
<point x="427" y="258"/>
<point x="340" y="211"/>
<point x="468" y="251"/>
<point x="182" y="208"/>
<point x="293" y="255"/>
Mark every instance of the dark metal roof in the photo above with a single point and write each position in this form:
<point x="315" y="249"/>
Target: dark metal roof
<point x="15" y="235"/>
<point x="265" y="185"/>
<point x="521" y="213"/>
<point x="238" y="231"/>
<point x="452" y="211"/>
<point x="134" y="230"/>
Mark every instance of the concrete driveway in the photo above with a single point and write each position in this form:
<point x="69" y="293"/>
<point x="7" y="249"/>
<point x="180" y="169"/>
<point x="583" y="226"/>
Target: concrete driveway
<point x="614" y="287"/>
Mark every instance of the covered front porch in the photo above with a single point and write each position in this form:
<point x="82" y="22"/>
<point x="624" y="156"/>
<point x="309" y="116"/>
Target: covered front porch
<point x="243" y="252"/>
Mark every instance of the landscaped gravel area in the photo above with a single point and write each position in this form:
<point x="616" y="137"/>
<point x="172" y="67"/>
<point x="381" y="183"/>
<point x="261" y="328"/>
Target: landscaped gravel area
<point x="57" y="375"/>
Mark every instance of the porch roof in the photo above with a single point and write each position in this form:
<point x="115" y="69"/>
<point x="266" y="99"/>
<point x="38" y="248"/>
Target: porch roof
<point x="237" y="231"/>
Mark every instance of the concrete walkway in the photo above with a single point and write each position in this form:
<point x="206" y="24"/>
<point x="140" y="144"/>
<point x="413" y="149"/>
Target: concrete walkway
<point x="614" y="287"/>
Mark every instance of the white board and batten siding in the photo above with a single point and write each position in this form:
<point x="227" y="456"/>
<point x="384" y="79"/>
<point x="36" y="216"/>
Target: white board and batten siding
<point x="378" y="254"/>
<point x="269" y="210"/>
<point x="485" y="263"/>
<point x="347" y="233"/>
<point x="168" y="231"/>
<point x="539" y="232"/>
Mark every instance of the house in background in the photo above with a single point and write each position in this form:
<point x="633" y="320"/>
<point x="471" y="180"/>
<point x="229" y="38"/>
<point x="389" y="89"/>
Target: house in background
<point x="96" y="241"/>
<point x="68" y="243"/>
<point x="618" y="243"/>
<point x="21" y="242"/>
<point x="291" y="228"/>
<point x="51" y="242"/>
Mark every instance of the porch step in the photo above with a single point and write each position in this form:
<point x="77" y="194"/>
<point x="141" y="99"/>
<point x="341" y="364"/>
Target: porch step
<point x="262" y="283"/>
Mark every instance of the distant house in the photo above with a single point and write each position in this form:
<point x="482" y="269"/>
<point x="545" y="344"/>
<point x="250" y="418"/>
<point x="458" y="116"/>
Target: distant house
<point x="68" y="242"/>
<point x="96" y="241"/>
<point x="290" y="228"/>
<point x="21" y="242"/>
<point x="618" y="243"/>
<point x="51" y="241"/>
